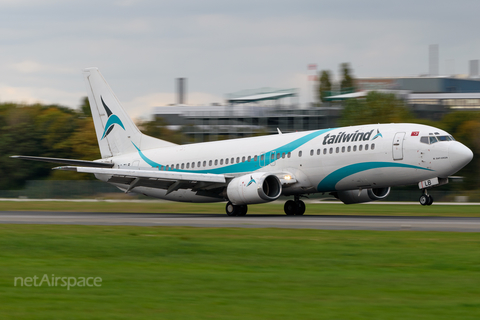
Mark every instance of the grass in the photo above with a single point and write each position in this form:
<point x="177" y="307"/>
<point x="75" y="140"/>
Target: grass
<point x="272" y="208"/>
<point x="217" y="273"/>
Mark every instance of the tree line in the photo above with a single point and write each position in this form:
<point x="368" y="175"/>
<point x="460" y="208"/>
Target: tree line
<point x="61" y="132"/>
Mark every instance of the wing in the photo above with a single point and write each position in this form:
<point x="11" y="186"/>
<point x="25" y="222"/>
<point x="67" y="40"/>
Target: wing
<point x="153" y="178"/>
<point x="203" y="183"/>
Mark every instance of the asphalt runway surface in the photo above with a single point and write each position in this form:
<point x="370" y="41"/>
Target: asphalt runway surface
<point x="324" y="222"/>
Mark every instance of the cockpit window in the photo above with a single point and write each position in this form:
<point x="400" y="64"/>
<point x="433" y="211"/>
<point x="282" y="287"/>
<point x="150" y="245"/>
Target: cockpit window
<point x="434" y="139"/>
<point x="443" y="138"/>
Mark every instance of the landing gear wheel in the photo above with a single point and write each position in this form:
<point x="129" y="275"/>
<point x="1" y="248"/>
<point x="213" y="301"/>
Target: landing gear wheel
<point x="242" y="210"/>
<point x="430" y="200"/>
<point x="231" y="209"/>
<point x="290" y="208"/>
<point x="300" y="208"/>
<point x="424" y="199"/>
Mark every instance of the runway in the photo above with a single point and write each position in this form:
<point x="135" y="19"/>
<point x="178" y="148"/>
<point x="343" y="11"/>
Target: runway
<point x="250" y="221"/>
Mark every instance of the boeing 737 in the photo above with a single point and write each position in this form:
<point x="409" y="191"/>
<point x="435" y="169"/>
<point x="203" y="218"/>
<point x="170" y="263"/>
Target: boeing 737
<point x="355" y="164"/>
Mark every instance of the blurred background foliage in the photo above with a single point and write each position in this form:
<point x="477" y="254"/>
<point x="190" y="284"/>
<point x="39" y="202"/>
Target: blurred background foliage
<point x="61" y="132"/>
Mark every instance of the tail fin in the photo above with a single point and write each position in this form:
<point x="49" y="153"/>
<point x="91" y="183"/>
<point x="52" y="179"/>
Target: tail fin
<point x="116" y="132"/>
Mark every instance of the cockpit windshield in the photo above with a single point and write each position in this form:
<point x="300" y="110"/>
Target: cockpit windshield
<point x="434" y="139"/>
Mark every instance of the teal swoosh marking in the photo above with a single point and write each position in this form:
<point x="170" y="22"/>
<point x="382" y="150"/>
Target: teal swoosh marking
<point x="329" y="182"/>
<point x="246" y="166"/>
<point x="113" y="119"/>
<point x="377" y="135"/>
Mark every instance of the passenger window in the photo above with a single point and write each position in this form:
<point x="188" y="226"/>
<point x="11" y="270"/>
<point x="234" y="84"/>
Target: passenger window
<point x="366" y="147"/>
<point x="337" y="150"/>
<point x="349" y="148"/>
<point x="289" y="155"/>
<point x="232" y="161"/>
<point x="204" y="163"/>
<point x="177" y="166"/>
<point x="216" y="162"/>
<point x="343" y="149"/>
<point x="278" y="155"/>
<point x="183" y="165"/>
<point x="188" y="165"/>
<point x="299" y="153"/>
<point x="373" y="146"/>
<point x="238" y="159"/>
<point x="311" y="152"/>
<point x="325" y="151"/>
<point x="193" y="165"/>
<point x="226" y="161"/>
<point x="167" y="167"/>
<point x="318" y="152"/>
<point x="199" y="164"/>
<point x="360" y="147"/>
<point x="221" y="161"/>
<point x="354" y="148"/>
<point x="283" y="155"/>
<point x="249" y="158"/>
<point x="331" y="150"/>
<point x="255" y="158"/>
<point x="262" y="157"/>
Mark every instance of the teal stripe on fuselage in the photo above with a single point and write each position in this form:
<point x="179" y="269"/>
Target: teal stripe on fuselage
<point x="329" y="182"/>
<point x="245" y="166"/>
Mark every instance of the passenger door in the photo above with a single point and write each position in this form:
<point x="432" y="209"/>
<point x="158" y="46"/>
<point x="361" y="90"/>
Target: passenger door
<point x="398" y="146"/>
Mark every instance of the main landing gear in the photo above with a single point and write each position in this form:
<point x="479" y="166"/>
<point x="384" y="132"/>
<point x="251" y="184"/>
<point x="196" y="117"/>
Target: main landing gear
<point x="425" y="198"/>
<point x="236" y="210"/>
<point x="294" y="207"/>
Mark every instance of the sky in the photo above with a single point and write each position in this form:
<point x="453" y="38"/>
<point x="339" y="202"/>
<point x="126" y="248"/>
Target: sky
<point x="221" y="46"/>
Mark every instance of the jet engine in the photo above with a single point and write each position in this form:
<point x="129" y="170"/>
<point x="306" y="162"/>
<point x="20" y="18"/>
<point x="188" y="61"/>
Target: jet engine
<point x="254" y="188"/>
<point x="365" y="195"/>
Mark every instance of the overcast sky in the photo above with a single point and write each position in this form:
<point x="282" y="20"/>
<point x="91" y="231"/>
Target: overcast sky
<point x="221" y="46"/>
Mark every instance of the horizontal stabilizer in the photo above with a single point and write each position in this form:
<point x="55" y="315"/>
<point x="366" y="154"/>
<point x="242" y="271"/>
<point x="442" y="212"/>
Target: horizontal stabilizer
<point x="71" y="162"/>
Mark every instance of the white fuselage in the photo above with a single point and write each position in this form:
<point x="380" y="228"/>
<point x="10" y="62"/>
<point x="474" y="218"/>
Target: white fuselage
<point x="328" y="160"/>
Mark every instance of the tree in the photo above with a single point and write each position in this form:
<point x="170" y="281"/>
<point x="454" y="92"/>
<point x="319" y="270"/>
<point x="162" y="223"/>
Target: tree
<point x="325" y="85"/>
<point x="158" y="128"/>
<point x="85" y="107"/>
<point x="375" y="108"/>
<point x="347" y="85"/>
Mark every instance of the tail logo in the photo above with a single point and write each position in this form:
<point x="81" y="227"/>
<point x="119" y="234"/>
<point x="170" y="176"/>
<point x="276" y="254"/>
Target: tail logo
<point x="112" y="120"/>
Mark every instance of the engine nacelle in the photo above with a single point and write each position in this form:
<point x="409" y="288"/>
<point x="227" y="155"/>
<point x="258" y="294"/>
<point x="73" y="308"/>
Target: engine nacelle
<point x="366" y="195"/>
<point x="254" y="188"/>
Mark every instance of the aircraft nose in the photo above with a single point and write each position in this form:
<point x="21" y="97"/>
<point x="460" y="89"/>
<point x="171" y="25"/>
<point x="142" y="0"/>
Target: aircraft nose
<point x="459" y="155"/>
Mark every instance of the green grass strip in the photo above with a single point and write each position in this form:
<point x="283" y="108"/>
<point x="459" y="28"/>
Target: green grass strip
<point x="195" y="273"/>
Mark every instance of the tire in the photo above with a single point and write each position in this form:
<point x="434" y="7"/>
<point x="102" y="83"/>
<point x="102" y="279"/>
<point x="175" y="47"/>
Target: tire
<point x="290" y="208"/>
<point x="242" y="210"/>
<point x="423" y="200"/>
<point x="300" y="208"/>
<point x="430" y="200"/>
<point x="231" y="209"/>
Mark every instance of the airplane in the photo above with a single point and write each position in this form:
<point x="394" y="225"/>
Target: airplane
<point x="355" y="164"/>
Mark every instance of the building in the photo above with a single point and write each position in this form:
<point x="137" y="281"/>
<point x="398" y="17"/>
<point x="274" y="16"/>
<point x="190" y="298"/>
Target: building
<point x="248" y="113"/>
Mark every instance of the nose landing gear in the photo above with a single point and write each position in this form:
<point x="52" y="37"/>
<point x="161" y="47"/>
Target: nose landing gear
<point x="425" y="198"/>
